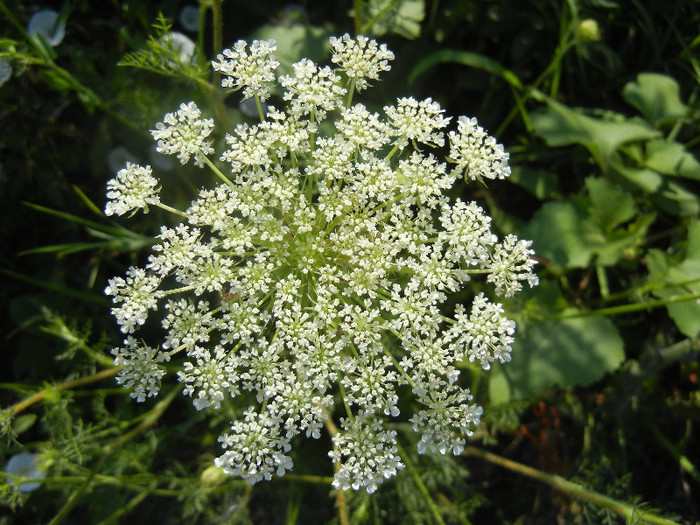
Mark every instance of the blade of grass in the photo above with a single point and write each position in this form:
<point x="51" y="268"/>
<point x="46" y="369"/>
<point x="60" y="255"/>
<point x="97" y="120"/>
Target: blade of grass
<point x="91" y="205"/>
<point x="57" y="288"/>
<point x="117" y="231"/>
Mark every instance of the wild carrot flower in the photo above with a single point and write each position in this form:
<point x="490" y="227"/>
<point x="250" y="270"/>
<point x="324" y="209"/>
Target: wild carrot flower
<point x="320" y="267"/>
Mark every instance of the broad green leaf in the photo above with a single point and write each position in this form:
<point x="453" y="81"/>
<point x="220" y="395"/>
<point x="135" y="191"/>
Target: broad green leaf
<point x="400" y="17"/>
<point x="656" y="96"/>
<point x="542" y="184"/>
<point x="671" y="158"/>
<point x="295" y="42"/>
<point x="610" y="204"/>
<point x="685" y="314"/>
<point x="617" y="243"/>
<point x="559" y="125"/>
<point x="573" y="232"/>
<point x="676" y="199"/>
<point x="644" y="179"/>
<point x="557" y="232"/>
<point x="565" y="353"/>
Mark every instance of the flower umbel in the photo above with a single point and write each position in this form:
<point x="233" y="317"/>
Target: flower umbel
<point x="320" y="269"/>
<point x="184" y="134"/>
<point x="251" y="70"/>
<point x="133" y="188"/>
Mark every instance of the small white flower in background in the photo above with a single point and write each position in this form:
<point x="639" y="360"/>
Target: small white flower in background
<point x="249" y="108"/>
<point x="159" y="160"/>
<point x="5" y="71"/>
<point x="118" y="157"/>
<point x="182" y="44"/>
<point x="313" y="281"/>
<point x="189" y="18"/>
<point x="25" y="464"/>
<point x="45" y="23"/>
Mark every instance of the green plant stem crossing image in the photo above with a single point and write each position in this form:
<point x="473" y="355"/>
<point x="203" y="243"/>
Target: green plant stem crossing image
<point x="383" y="261"/>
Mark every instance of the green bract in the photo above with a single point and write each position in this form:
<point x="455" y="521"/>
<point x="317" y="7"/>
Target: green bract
<point x="317" y="270"/>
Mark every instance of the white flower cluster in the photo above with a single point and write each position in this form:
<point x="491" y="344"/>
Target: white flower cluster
<point x="319" y="268"/>
<point x="477" y="154"/>
<point x="360" y="58"/>
<point x="253" y="71"/>
<point x="133" y="188"/>
<point x="184" y="134"/>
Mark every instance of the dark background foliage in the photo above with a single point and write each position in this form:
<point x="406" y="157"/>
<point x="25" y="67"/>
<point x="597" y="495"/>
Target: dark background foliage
<point x="610" y="401"/>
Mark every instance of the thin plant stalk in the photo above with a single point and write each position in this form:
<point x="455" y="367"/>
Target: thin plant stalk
<point x="75" y="383"/>
<point x="340" y="494"/>
<point x="571" y="489"/>
<point x="421" y="486"/>
<point x="150" y="419"/>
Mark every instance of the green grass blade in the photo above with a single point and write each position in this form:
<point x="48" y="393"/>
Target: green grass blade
<point x="465" y="58"/>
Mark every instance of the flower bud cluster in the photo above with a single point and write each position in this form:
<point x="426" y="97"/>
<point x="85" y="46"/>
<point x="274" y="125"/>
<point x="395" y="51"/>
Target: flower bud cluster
<point x="316" y="273"/>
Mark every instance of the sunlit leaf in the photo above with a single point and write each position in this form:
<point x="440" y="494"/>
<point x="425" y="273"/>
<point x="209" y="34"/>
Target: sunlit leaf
<point x="559" y="125"/>
<point x="685" y="314"/>
<point x="671" y="158"/>
<point x="564" y="353"/>
<point x="656" y="96"/>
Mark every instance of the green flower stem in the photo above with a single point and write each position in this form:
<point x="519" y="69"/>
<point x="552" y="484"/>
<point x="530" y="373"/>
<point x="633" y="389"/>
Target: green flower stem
<point x="532" y="90"/>
<point x="357" y="16"/>
<point x="650" y="288"/>
<point x="217" y="25"/>
<point x="392" y="152"/>
<point x="130" y="505"/>
<point x="148" y="421"/>
<point x="258" y="105"/>
<point x="622" y="309"/>
<point x="683" y="461"/>
<point x="630" y="513"/>
<point x="351" y="93"/>
<point x="419" y="483"/>
<point x="398" y="366"/>
<point x="75" y="383"/>
<point x="217" y="171"/>
<point x="345" y="402"/>
<point x="308" y="478"/>
<point x="340" y="495"/>
<point x="128" y="482"/>
<point x="179" y="290"/>
<point x="386" y="8"/>
<point x="170" y="209"/>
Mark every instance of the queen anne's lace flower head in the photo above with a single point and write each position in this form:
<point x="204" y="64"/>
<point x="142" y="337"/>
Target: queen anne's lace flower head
<point x="417" y="121"/>
<point x="251" y="70"/>
<point x="141" y="370"/>
<point x="318" y="272"/>
<point x="360" y="58"/>
<point x="184" y="134"/>
<point x="477" y="154"/>
<point x="133" y="188"/>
